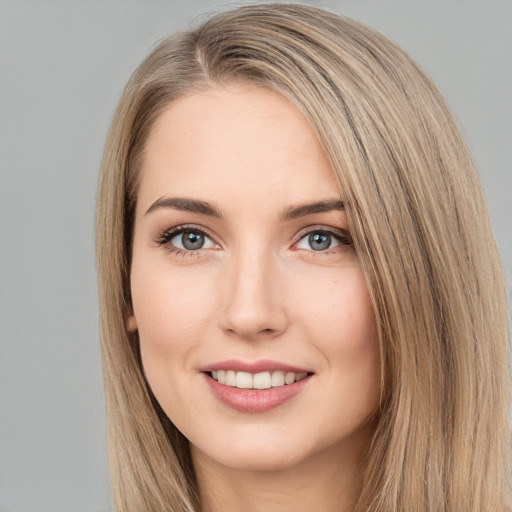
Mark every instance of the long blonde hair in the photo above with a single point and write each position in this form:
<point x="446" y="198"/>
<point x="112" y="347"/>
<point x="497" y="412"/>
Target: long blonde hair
<point x="421" y="229"/>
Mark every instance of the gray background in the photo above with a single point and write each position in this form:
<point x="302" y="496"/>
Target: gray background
<point x="62" y="68"/>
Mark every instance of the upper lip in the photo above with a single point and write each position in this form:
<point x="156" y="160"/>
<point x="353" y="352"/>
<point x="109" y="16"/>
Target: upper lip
<point x="262" y="365"/>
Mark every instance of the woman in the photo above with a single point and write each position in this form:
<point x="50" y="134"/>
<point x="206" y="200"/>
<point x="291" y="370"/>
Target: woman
<point x="302" y="301"/>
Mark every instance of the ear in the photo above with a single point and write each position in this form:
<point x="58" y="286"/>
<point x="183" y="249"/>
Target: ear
<point x="131" y="323"/>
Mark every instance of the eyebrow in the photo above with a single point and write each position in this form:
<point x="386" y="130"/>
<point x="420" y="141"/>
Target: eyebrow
<point x="327" y="205"/>
<point x="186" y="205"/>
<point x="205" y="208"/>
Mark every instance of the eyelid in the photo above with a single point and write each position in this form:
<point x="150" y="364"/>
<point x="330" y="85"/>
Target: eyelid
<point x="164" y="237"/>
<point x="343" y="236"/>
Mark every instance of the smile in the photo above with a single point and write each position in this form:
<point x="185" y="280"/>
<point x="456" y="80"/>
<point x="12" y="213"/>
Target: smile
<point x="256" y="392"/>
<point x="261" y="380"/>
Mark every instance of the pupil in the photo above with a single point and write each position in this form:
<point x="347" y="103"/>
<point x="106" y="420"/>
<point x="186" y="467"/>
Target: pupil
<point x="192" y="241"/>
<point x="319" y="241"/>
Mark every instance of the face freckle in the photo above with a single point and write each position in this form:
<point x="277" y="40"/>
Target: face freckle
<point x="222" y="276"/>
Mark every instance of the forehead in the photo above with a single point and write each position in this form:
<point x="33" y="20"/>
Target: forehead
<point x="234" y="141"/>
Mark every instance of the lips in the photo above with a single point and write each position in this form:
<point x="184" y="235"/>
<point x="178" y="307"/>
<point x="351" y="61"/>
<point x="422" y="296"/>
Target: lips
<point x="262" y="365"/>
<point x="255" y="386"/>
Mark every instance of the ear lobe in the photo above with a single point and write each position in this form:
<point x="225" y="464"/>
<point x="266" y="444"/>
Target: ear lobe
<point x="131" y="323"/>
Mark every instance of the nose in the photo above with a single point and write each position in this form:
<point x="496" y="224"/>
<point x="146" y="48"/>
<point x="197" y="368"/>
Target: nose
<point x="253" y="302"/>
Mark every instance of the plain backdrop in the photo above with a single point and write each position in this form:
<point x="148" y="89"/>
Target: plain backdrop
<point x="63" y="65"/>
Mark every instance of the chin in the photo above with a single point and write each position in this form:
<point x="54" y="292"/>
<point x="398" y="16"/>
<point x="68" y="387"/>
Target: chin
<point x="256" y="459"/>
<point x="263" y="449"/>
<point x="260" y="451"/>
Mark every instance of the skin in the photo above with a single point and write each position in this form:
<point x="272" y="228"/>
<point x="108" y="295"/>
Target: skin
<point x="256" y="290"/>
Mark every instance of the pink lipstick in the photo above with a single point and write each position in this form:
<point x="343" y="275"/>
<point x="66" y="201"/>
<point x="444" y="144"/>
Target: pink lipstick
<point x="255" y="386"/>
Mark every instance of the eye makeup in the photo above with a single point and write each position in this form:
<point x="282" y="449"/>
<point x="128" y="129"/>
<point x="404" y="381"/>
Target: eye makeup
<point x="190" y="240"/>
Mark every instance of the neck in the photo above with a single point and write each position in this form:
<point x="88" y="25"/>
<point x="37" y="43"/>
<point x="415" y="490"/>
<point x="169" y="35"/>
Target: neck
<point x="329" y="481"/>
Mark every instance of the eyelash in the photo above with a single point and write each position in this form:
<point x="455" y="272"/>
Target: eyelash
<point x="344" y="239"/>
<point x="164" y="239"/>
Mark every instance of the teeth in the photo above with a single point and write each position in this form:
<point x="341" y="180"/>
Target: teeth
<point x="243" y="380"/>
<point x="289" y="378"/>
<point x="230" y="378"/>
<point x="263" y="380"/>
<point x="277" y="379"/>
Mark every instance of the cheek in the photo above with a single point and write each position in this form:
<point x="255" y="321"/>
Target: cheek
<point x="356" y="329"/>
<point x="174" y="310"/>
<point x="169" y="306"/>
<point x="339" y="309"/>
<point x="354" y="352"/>
<point x="340" y="320"/>
<point x="171" y="309"/>
<point x="171" y="312"/>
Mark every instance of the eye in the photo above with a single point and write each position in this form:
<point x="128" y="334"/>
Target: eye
<point x="186" y="239"/>
<point x="192" y="241"/>
<point x="322" y="240"/>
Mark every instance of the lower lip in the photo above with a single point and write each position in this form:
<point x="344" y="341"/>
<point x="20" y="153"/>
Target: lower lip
<point x="255" y="400"/>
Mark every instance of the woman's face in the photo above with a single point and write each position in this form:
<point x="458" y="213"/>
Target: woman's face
<point x="244" y="276"/>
